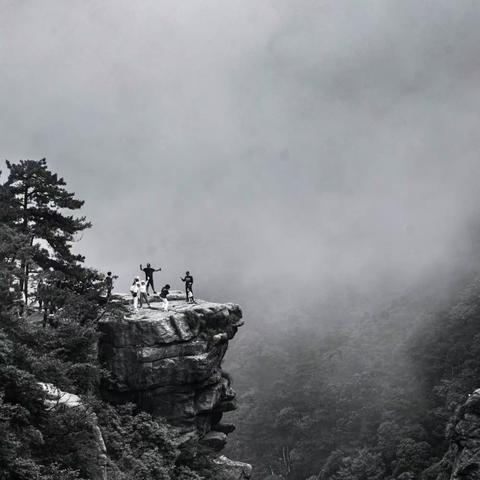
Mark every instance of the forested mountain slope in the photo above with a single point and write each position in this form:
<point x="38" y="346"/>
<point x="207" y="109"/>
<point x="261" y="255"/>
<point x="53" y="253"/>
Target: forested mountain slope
<point x="370" y="399"/>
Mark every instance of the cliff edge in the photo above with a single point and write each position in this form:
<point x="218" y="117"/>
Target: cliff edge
<point x="169" y="364"/>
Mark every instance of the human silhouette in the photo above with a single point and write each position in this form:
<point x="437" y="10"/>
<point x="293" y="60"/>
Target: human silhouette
<point x="143" y="294"/>
<point x="135" y="291"/>
<point x="163" y="295"/>
<point x="41" y="293"/>
<point x="109" y="284"/>
<point x="148" y="270"/>
<point x="188" y="279"/>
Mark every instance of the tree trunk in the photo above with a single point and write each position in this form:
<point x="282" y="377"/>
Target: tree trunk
<point x="24" y="265"/>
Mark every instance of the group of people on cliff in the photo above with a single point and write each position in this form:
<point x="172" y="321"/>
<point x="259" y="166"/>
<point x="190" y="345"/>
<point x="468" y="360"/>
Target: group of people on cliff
<point x="140" y="288"/>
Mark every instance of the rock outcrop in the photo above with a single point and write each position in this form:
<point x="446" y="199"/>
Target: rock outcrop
<point x="462" y="461"/>
<point x="227" y="469"/>
<point x="169" y="364"/>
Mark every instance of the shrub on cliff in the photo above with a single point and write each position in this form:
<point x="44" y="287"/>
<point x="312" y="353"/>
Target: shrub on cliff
<point x="31" y="201"/>
<point x="139" y="446"/>
<point x="24" y="424"/>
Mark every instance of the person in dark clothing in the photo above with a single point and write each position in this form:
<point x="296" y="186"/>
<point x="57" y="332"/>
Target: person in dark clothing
<point x="163" y="295"/>
<point x="188" y="279"/>
<point x="40" y="293"/>
<point x="49" y="305"/>
<point x="148" y="270"/>
<point x="109" y="284"/>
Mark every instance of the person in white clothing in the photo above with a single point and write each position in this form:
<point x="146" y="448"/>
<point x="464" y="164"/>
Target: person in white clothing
<point x="143" y="295"/>
<point x="135" y="290"/>
<point x="163" y="296"/>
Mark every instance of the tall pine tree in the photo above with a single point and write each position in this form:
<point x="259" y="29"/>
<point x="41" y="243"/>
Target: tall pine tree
<point x="38" y="203"/>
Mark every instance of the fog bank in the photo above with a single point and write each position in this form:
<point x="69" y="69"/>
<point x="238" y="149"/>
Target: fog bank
<point x="295" y="147"/>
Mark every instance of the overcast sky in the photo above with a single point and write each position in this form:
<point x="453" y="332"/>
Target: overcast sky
<point x="300" y="144"/>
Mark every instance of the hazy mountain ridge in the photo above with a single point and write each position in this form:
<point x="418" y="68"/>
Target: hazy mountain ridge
<point x="370" y="399"/>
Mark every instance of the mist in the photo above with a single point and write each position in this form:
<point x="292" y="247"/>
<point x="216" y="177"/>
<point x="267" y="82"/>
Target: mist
<point x="279" y="150"/>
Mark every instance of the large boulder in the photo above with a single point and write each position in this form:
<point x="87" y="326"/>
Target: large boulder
<point x="227" y="469"/>
<point x="169" y="364"/>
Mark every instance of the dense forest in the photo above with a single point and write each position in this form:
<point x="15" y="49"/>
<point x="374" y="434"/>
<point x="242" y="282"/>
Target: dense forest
<point x="361" y="399"/>
<point x="57" y="344"/>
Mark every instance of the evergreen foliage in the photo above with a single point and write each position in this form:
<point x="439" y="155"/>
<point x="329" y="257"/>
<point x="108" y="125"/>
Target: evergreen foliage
<point x="35" y="200"/>
<point x="36" y="442"/>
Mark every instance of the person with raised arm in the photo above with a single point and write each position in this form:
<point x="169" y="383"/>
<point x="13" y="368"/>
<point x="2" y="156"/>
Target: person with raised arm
<point x="109" y="283"/>
<point x="188" y="280"/>
<point x="148" y="270"/>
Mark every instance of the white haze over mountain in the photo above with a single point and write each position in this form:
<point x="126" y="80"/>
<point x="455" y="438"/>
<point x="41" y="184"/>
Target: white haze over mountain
<point x="285" y="146"/>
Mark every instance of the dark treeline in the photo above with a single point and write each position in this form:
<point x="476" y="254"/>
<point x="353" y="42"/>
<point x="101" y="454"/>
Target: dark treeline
<point x="366" y="398"/>
<point x="37" y="231"/>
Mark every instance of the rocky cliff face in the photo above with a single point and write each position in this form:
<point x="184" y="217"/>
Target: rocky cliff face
<point x="169" y="364"/>
<point x="462" y="461"/>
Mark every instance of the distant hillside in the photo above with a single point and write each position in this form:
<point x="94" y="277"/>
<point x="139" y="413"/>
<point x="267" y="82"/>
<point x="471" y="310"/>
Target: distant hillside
<point x="370" y="399"/>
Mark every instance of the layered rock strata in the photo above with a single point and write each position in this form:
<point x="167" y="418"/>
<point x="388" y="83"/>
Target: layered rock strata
<point x="169" y="364"/>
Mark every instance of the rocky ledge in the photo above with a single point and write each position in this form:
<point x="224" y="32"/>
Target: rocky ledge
<point x="169" y="364"/>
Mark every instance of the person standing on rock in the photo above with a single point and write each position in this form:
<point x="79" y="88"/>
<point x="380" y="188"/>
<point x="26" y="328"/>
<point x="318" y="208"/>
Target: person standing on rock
<point x="143" y="296"/>
<point x="163" y="295"/>
<point x="109" y="284"/>
<point x="41" y="293"/>
<point x="188" y="279"/>
<point x="149" y="271"/>
<point x="135" y="290"/>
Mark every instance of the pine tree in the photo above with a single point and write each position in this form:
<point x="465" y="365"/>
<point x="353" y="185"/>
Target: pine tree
<point x="34" y="201"/>
<point x="15" y="249"/>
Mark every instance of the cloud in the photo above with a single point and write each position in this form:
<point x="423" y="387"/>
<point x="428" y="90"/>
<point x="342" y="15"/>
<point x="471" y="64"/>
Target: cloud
<point x="289" y="144"/>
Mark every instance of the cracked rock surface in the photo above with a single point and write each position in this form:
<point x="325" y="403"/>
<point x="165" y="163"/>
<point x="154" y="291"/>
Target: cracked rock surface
<point x="169" y="364"/>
